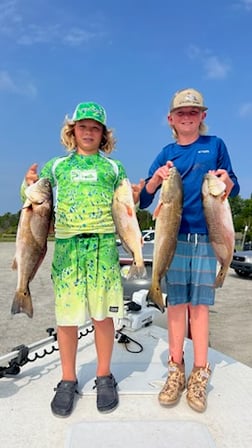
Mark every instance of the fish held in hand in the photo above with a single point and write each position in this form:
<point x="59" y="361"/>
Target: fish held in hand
<point x="168" y="217"/>
<point x="126" y="223"/>
<point x="219" y="222"/>
<point x="31" y="241"/>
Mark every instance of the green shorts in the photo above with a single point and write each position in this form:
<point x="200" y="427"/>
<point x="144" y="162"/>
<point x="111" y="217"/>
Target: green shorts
<point x="86" y="278"/>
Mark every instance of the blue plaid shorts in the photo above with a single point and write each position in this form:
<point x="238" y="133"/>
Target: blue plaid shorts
<point x="192" y="273"/>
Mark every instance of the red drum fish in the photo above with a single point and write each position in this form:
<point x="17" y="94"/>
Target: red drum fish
<point x="126" y="223"/>
<point x="168" y="217"/>
<point x="219" y="222"/>
<point x="31" y="241"/>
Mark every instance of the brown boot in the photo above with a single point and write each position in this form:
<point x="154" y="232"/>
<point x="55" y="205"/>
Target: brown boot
<point x="174" y="385"/>
<point x="196" y="388"/>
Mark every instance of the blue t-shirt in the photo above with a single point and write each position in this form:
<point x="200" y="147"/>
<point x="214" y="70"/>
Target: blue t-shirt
<point x="193" y="162"/>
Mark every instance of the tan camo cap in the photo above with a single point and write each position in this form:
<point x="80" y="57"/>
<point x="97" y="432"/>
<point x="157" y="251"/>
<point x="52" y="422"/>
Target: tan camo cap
<point x="187" y="97"/>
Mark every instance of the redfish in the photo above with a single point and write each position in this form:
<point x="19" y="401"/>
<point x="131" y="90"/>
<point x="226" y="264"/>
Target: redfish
<point x="126" y="223"/>
<point x="31" y="241"/>
<point x="219" y="222"/>
<point x="168" y="217"/>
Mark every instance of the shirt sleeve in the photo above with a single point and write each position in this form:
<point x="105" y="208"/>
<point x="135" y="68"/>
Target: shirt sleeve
<point x="121" y="173"/>
<point x="22" y="191"/>
<point x="224" y="162"/>
<point x="147" y="198"/>
<point x="47" y="171"/>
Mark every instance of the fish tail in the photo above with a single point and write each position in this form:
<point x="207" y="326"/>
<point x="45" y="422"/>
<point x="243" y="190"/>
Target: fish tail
<point x="22" y="303"/>
<point x="220" y="277"/>
<point x="14" y="264"/>
<point x="136" y="271"/>
<point x="155" y="297"/>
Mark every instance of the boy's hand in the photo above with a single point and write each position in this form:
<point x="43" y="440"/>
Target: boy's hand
<point x="136" y="190"/>
<point x="158" y="177"/>
<point x="31" y="176"/>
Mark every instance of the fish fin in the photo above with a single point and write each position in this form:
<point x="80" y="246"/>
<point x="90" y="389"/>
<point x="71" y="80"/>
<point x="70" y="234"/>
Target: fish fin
<point x="41" y="258"/>
<point x="155" y="297"/>
<point x="14" y="264"/>
<point x="22" y="303"/>
<point x="51" y="230"/>
<point x="27" y="204"/>
<point x="224" y="196"/>
<point x="220" y="278"/>
<point x="136" y="271"/>
<point x="157" y="210"/>
<point x="129" y="209"/>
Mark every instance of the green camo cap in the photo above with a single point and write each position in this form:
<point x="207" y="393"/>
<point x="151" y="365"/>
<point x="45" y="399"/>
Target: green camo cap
<point x="92" y="111"/>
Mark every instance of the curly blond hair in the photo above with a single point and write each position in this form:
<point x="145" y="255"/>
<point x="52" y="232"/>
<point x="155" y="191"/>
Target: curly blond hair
<point x="67" y="137"/>
<point x="203" y="128"/>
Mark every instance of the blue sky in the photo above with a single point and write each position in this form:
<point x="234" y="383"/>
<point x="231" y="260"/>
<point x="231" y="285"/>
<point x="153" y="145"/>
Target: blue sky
<point x="129" y="56"/>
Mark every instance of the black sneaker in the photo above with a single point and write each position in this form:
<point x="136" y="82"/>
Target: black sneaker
<point x="62" y="403"/>
<point x="107" y="395"/>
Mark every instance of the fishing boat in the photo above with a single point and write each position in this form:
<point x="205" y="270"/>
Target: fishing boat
<point x="140" y="367"/>
<point x="29" y="373"/>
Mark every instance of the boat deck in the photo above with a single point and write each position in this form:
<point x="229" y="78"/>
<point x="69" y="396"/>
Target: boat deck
<point x="27" y="422"/>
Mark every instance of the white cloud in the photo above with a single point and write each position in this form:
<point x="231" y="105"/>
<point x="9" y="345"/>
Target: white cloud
<point x="9" y="16"/>
<point x="245" y="110"/>
<point x="34" y="34"/>
<point x="8" y="9"/>
<point x="247" y="4"/>
<point x="54" y="35"/>
<point x="32" y="26"/>
<point x="239" y="5"/>
<point x="22" y="85"/>
<point x="6" y="83"/>
<point x="194" y="52"/>
<point x="215" y="68"/>
<point x="78" y="36"/>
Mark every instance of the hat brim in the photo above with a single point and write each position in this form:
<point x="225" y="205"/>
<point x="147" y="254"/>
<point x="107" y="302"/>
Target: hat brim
<point x="72" y="122"/>
<point x="203" y="108"/>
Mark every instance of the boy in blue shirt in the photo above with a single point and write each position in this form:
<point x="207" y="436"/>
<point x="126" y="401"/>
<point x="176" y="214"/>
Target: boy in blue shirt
<point x="192" y="273"/>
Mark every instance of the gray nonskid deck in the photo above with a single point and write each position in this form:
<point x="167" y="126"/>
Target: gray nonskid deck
<point x="26" y="419"/>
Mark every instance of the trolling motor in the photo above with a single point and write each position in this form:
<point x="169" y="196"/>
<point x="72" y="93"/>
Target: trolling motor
<point x="19" y="356"/>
